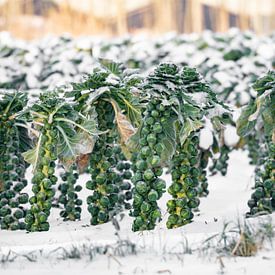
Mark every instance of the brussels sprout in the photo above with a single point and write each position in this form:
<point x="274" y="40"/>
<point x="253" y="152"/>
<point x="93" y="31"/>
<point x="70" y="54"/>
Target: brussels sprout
<point x="269" y="183"/>
<point x="141" y="187"/>
<point x="194" y="203"/>
<point x="193" y="161"/>
<point x="127" y="175"/>
<point x="259" y="193"/>
<point x="153" y="195"/>
<point x="151" y="139"/>
<point x="143" y="141"/>
<point x="184" y="169"/>
<point x="148" y="174"/>
<point x="90" y="185"/>
<point x="189" y="182"/>
<point x="141" y="165"/>
<point x="186" y="214"/>
<point x="159" y="147"/>
<point x="138" y="223"/>
<point x="157" y="128"/>
<point x="159" y="184"/>
<point x="155" y="215"/>
<point x="78" y="188"/>
<point x="4" y="211"/>
<point x="221" y="163"/>
<point x="125" y="186"/>
<point x="120" y="166"/>
<point x="146" y="151"/>
<point x="149" y="121"/>
<point x="155" y="161"/>
<point x="191" y="193"/>
<point x="185" y="181"/>
<point x="173" y="219"/>
<point x="102" y="217"/>
<point x="171" y="205"/>
<point x="14" y="203"/>
<point x="155" y="113"/>
<point x="18" y="187"/>
<point x="128" y="196"/>
<point x="42" y="217"/>
<point x="138" y="199"/>
<point x="44" y="226"/>
<point x="176" y="187"/>
<point x="145" y="207"/>
<point x="158" y="171"/>
<point x="100" y="179"/>
<point x="104" y="201"/>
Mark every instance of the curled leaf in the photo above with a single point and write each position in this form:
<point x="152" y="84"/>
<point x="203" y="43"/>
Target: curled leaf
<point x="124" y="126"/>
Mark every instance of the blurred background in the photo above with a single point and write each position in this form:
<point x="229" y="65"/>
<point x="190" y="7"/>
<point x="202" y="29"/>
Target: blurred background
<point x="30" y="19"/>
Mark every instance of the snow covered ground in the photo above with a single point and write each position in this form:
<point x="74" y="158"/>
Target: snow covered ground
<point x="158" y="252"/>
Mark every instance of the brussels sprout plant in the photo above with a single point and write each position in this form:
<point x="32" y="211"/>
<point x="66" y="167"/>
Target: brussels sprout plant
<point x="108" y="91"/>
<point x="168" y="134"/>
<point x="63" y="134"/>
<point x="14" y="140"/>
<point x="259" y="115"/>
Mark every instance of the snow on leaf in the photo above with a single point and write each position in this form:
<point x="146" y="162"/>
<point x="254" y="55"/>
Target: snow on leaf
<point x="71" y="146"/>
<point x="113" y="67"/>
<point x="244" y="126"/>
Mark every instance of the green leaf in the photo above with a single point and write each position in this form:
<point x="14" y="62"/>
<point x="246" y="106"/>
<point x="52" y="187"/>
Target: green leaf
<point x="132" y="144"/>
<point x="32" y="156"/>
<point x="74" y="142"/>
<point x="93" y="96"/>
<point x="169" y="141"/>
<point x="24" y="139"/>
<point x="188" y="127"/>
<point x="113" y="67"/>
<point x="244" y="126"/>
<point x="191" y="110"/>
<point x="259" y="102"/>
<point x="215" y="146"/>
<point x="169" y="150"/>
<point x="268" y="115"/>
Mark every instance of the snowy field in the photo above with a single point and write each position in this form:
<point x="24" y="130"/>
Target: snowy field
<point x="161" y="251"/>
<point x="73" y="248"/>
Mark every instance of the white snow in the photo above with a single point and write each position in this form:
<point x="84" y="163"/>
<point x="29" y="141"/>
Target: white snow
<point x="56" y="61"/>
<point x="231" y="137"/>
<point x="206" y="138"/>
<point x="159" y="249"/>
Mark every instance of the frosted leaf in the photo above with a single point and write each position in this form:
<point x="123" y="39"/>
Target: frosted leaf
<point x="201" y="98"/>
<point x="218" y="110"/>
<point x="83" y="92"/>
<point x="112" y="79"/>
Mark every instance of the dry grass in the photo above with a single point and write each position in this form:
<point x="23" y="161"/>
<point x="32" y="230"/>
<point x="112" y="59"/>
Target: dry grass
<point x="242" y="239"/>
